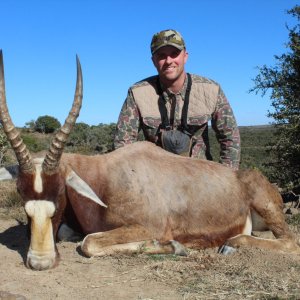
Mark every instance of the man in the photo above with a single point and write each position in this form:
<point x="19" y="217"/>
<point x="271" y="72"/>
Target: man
<point x="173" y="109"/>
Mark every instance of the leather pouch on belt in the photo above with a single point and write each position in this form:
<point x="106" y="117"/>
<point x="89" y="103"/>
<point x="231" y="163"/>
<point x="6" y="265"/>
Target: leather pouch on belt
<point x="176" y="142"/>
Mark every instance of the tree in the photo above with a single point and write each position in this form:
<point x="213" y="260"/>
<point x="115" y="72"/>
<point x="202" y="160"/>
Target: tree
<point x="46" y="124"/>
<point x="283" y="81"/>
<point x="102" y="137"/>
<point x="30" y="126"/>
<point x="79" y="135"/>
<point x="92" y="139"/>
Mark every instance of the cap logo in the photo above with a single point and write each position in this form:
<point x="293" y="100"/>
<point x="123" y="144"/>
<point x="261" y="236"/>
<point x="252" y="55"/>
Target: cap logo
<point x="168" y="38"/>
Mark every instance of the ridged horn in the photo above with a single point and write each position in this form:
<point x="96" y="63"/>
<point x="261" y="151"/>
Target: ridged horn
<point x="51" y="161"/>
<point x="21" y="152"/>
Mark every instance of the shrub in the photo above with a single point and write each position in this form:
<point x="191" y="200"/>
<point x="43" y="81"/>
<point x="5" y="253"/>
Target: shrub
<point x="47" y="124"/>
<point x="35" y="144"/>
<point x="91" y="139"/>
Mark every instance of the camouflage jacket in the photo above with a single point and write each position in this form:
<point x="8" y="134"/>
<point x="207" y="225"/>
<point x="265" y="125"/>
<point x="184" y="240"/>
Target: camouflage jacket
<point x="140" y="114"/>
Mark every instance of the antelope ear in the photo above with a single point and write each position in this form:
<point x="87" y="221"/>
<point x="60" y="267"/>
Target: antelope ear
<point x="82" y="188"/>
<point x="10" y="172"/>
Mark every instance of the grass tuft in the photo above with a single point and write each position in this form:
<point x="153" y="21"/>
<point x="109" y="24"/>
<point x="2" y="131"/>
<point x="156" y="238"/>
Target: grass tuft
<point x="11" y="205"/>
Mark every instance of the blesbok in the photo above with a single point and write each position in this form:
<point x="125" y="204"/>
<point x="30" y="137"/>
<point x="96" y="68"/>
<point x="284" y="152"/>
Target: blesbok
<point x="138" y="198"/>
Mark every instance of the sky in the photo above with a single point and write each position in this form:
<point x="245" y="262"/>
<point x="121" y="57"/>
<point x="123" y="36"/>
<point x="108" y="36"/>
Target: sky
<point x="226" y="40"/>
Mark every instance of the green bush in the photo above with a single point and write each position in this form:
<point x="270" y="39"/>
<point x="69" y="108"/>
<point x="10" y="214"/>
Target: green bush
<point x="254" y="146"/>
<point x="33" y="143"/>
<point x="91" y="139"/>
<point x="46" y="124"/>
<point x="79" y="135"/>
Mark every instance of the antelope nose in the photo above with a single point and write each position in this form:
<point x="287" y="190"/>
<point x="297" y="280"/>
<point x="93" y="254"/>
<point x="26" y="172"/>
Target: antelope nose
<point x="40" y="263"/>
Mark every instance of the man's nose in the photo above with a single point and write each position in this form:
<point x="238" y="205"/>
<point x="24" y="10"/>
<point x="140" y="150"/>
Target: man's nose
<point x="169" y="59"/>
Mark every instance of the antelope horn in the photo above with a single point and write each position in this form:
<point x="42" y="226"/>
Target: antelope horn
<point x="21" y="152"/>
<point x="51" y="161"/>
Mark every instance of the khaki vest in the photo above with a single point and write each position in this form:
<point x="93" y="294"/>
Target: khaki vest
<point x="203" y="99"/>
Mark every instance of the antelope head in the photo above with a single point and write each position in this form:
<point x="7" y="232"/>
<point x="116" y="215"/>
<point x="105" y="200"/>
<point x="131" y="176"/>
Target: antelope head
<point x="40" y="184"/>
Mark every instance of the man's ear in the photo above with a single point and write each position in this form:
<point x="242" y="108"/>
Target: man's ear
<point x="186" y="56"/>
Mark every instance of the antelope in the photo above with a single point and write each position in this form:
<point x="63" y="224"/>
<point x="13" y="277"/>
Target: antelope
<point x="139" y="198"/>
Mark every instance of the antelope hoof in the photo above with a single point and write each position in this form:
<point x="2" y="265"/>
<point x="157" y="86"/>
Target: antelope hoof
<point x="178" y="248"/>
<point x="226" y="250"/>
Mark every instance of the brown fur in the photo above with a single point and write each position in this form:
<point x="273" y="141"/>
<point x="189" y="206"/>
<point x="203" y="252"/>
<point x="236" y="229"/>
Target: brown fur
<point x="154" y="195"/>
<point x="198" y="203"/>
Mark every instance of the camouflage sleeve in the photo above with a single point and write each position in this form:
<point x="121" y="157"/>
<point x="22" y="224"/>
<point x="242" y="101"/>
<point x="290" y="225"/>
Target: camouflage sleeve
<point x="227" y="132"/>
<point x="128" y="123"/>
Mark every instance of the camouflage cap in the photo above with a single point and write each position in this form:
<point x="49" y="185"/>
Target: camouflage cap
<point x="167" y="37"/>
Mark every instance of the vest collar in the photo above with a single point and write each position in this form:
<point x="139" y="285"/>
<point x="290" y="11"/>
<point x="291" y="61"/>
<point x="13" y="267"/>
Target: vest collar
<point x="168" y="94"/>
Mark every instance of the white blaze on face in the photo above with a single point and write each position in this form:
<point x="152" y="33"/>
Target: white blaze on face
<point x="38" y="183"/>
<point x="41" y="254"/>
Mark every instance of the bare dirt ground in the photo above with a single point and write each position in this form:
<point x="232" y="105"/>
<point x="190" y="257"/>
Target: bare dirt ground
<point x="246" y="274"/>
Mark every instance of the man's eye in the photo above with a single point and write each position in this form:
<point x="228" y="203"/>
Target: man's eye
<point x="161" y="56"/>
<point x="174" y="54"/>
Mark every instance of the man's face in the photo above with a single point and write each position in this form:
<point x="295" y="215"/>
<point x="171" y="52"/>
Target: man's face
<point x="169" y="62"/>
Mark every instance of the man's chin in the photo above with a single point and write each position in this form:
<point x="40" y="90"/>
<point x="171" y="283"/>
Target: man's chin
<point x="169" y="76"/>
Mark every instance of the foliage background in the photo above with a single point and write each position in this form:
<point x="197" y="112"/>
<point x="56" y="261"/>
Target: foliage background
<point x="98" y="139"/>
<point x="282" y="82"/>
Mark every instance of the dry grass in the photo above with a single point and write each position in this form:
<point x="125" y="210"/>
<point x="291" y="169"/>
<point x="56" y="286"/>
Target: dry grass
<point x="247" y="274"/>
<point x="11" y="202"/>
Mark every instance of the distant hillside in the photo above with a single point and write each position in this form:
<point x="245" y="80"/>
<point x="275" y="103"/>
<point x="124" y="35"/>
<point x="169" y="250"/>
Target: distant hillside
<point x="254" y="141"/>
